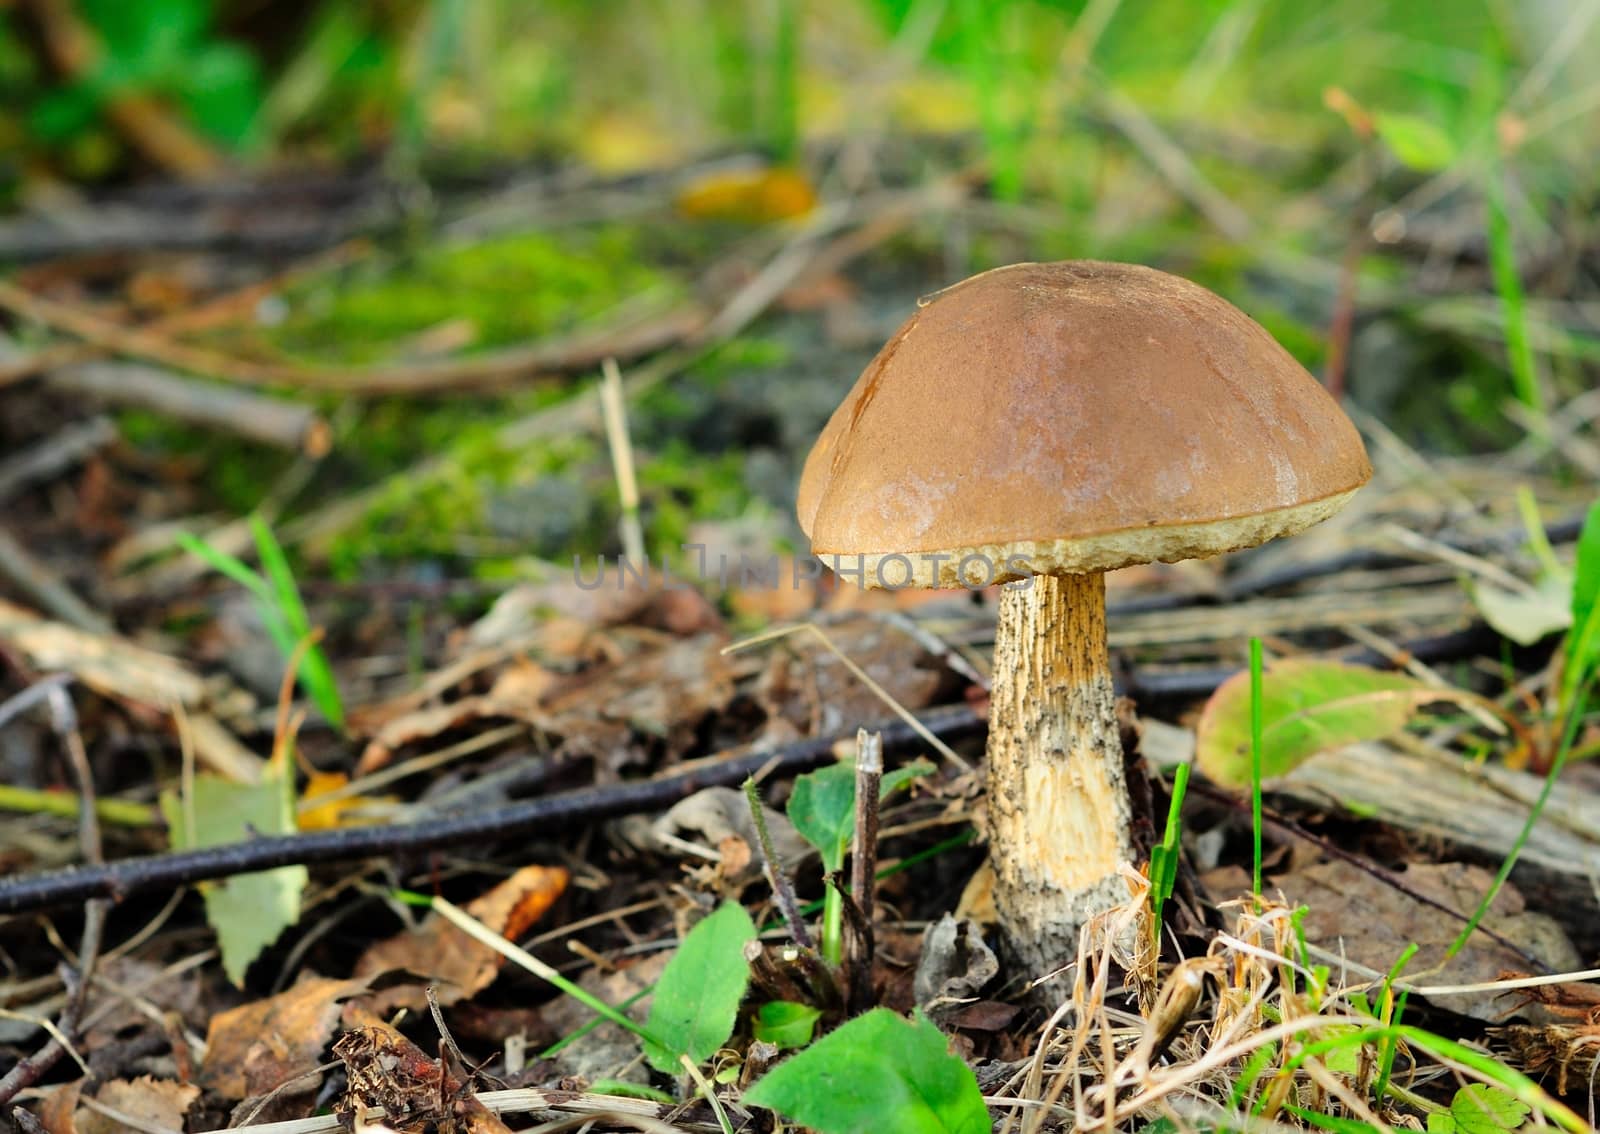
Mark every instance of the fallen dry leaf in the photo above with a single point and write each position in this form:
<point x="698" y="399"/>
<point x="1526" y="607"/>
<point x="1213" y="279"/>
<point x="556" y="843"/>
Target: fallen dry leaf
<point x="253" y="1048"/>
<point x="806" y="685"/>
<point x="159" y="1103"/>
<point x="56" y="1110"/>
<point x="155" y="1103"/>
<point x="662" y="690"/>
<point x="754" y="196"/>
<point x="613" y="600"/>
<point x="457" y="965"/>
<point x="1360" y="917"/>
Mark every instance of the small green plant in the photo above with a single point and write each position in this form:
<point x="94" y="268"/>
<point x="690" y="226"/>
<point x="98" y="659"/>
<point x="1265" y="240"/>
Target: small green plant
<point x="697" y="998"/>
<point x="1582" y="654"/>
<point x="823" y="810"/>
<point x="1480" y="1108"/>
<point x="877" y="1074"/>
<point x="785" y="1023"/>
<point x="162" y="48"/>
<point x="248" y="912"/>
<point x="282" y="611"/>
<point x="1164" y="856"/>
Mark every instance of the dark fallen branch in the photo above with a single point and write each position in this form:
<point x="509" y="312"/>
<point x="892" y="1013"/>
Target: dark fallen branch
<point x="546" y="816"/>
<point x="567" y="810"/>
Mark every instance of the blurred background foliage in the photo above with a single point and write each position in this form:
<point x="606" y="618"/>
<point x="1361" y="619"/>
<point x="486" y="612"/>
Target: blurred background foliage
<point x="1437" y="159"/>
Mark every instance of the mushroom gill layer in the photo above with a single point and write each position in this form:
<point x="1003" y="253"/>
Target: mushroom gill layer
<point x="985" y="564"/>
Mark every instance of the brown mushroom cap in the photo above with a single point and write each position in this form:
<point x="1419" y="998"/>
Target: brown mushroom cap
<point x="1080" y="415"/>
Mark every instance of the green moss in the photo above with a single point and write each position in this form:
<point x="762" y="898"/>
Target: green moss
<point x="237" y="473"/>
<point x="509" y="290"/>
<point x="451" y="517"/>
<point x="681" y="486"/>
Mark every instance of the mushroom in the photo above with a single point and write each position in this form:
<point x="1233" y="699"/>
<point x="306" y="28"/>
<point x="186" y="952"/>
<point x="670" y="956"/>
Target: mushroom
<point x="1037" y="426"/>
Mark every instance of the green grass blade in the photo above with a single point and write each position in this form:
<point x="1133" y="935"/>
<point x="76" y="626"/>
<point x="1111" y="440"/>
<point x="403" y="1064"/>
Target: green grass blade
<point x="315" y="674"/>
<point x="1255" y="765"/>
<point x="225" y="564"/>
<point x="1569" y="734"/>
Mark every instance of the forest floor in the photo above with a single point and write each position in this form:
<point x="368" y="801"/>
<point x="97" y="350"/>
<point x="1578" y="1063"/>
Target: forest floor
<point x="311" y="426"/>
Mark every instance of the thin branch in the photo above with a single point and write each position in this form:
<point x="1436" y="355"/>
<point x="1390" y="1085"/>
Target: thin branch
<point x="864" y="859"/>
<point x="576" y="352"/>
<point x="546" y="815"/>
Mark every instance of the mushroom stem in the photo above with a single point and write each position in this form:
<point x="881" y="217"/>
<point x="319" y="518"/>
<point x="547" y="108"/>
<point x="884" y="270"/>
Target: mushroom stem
<point x="1059" y="816"/>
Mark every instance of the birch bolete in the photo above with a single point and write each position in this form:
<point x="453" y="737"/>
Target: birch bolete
<point x="1037" y="426"/>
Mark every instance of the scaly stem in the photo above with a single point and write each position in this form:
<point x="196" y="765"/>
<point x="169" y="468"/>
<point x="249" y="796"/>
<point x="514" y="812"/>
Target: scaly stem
<point x="1059" y="814"/>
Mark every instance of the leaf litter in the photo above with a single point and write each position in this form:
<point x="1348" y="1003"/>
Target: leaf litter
<point x="610" y="686"/>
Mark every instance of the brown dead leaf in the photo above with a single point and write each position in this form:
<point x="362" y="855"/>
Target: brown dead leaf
<point x="254" y="1047"/>
<point x="457" y="965"/>
<point x="612" y="599"/>
<point x="661" y="690"/>
<point x="662" y="693"/>
<point x="523" y="682"/>
<point x="57" y="1109"/>
<point x="159" y="1103"/>
<point x="1360" y="917"/>
<point x="806" y="685"/>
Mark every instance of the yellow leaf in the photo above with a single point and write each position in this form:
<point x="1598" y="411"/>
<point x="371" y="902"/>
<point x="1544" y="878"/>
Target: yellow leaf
<point x="333" y="813"/>
<point x="752" y="196"/>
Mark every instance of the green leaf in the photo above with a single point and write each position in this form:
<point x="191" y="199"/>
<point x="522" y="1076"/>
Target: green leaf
<point x="1415" y="142"/>
<point x="1482" y="1108"/>
<point x="823" y="806"/>
<point x="878" y="1074"/>
<point x="223" y="91"/>
<point x="697" y="998"/>
<point x="1583" y="643"/>
<point x="316" y="675"/>
<point x="248" y="911"/>
<point x="1526" y="616"/>
<point x="58" y="116"/>
<point x="1307" y="707"/>
<point x="786" y="1023"/>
